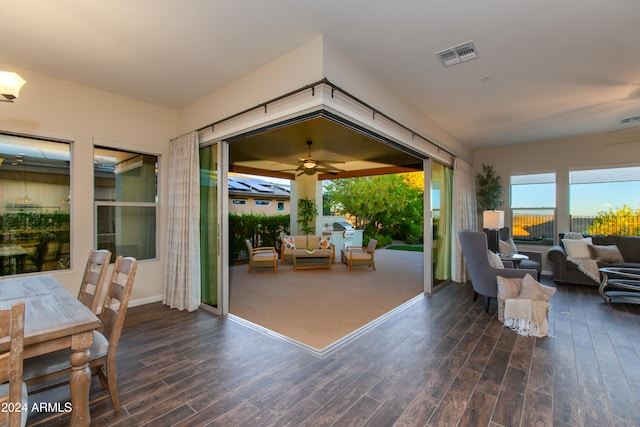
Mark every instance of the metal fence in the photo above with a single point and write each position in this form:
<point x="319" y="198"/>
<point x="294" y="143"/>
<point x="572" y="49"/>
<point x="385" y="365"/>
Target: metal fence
<point x="539" y="228"/>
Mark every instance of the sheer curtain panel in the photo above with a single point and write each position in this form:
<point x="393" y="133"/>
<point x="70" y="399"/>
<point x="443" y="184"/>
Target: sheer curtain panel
<point x="465" y="215"/>
<point x="182" y="265"/>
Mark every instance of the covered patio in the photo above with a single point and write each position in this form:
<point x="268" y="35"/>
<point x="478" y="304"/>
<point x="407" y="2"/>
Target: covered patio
<point x="321" y="310"/>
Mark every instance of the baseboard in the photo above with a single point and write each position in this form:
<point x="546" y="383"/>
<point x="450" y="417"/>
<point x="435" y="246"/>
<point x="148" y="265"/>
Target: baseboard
<point x="143" y="301"/>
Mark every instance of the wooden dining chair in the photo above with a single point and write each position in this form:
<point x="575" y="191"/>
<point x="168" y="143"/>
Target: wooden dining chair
<point x="13" y="392"/>
<point x="93" y="279"/>
<point x="102" y="358"/>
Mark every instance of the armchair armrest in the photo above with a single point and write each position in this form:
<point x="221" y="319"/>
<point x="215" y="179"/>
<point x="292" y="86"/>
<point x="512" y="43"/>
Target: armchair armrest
<point x="264" y="249"/>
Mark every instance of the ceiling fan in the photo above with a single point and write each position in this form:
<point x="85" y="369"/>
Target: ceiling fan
<point x="310" y="166"/>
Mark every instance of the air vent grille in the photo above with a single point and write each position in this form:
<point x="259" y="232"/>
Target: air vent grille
<point x="457" y="54"/>
<point x="631" y="119"/>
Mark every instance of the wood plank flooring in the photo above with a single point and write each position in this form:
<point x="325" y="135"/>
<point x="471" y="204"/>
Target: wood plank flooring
<point x="441" y="362"/>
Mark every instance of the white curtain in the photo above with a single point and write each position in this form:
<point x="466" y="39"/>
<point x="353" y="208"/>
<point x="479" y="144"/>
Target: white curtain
<point x="465" y="215"/>
<point x="182" y="265"/>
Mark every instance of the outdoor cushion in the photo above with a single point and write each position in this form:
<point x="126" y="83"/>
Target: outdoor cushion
<point x="289" y="242"/>
<point x="325" y="242"/>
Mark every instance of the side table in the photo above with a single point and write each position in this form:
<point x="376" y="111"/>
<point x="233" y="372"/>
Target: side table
<point x="515" y="258"/>
<point x="620" y="284"/>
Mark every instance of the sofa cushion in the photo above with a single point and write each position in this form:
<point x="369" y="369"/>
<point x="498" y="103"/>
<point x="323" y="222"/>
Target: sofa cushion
<point x="608" y="253"/>
<point x="289" y="242"/>
<point x="508" y="246"/>
<point x="313" y="242"/>
<point x="509" y="287"/>
<point x="577" y="248"/>
<point x="629" y="246"/>
<point x="534" y="290"/>
<point x="301" y="242"/>
<point x="324" y="242"/>
<point x="494" y="260"/>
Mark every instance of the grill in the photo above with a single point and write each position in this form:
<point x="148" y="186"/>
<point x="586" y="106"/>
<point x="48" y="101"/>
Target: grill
<point x="345" y="227"/>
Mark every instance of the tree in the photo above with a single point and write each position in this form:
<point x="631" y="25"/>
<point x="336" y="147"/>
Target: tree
<point x="621" y="221"/>
<point x="489" y="190"/>
<point x="381" y="205"/>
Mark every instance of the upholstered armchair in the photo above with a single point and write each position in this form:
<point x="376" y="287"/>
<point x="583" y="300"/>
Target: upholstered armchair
<point x="508" y="246"/>
<point x="484" y="275"/>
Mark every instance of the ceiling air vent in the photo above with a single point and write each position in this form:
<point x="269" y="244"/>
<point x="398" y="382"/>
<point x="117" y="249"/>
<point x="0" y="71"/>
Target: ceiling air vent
<point x="455" y="55"/>
<point x="631" y="119"/>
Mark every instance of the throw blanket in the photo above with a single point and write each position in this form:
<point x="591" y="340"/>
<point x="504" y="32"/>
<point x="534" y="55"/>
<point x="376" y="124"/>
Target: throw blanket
<point x="589" y="267"/>
<point x="527" y="317"/>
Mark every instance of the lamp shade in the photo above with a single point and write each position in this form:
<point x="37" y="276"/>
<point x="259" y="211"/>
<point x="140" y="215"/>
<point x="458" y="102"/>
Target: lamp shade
<point x="493" y="220"/>
<point x="10" y="85"/>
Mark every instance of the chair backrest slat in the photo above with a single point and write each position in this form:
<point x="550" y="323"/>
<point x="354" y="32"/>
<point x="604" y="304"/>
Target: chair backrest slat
<point x="116" y="302"/>
<point x="93" y="279"/>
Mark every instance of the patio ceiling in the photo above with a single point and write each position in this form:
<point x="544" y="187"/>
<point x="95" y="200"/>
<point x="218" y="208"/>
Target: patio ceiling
<point x="276" y="152"/>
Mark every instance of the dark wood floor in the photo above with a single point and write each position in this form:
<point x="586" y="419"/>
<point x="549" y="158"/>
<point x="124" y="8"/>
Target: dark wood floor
<point x="442" y="362"/>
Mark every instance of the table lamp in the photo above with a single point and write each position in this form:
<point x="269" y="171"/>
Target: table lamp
<point x="492" y="222"/>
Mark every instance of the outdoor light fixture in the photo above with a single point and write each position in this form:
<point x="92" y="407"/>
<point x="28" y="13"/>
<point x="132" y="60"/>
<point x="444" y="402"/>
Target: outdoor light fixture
<point x="492" y="222"/>
<point x="309" y="163"/>
<point x="10" y="85"/>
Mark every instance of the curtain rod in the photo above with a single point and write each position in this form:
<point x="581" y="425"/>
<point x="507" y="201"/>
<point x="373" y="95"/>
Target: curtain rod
<point x="334" y="88"/>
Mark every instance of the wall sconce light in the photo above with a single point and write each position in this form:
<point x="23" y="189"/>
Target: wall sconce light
<point x="10" y="85"/>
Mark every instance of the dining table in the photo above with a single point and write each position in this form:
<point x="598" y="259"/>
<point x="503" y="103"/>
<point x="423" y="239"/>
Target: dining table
<point x="55" y="319"/>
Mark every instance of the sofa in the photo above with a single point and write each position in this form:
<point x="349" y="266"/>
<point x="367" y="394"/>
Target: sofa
<point x="291" y="243"/>
<point x="604" y="251"/>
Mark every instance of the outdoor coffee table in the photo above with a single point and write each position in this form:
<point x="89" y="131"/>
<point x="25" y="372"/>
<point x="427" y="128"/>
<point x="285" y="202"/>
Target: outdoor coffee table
<point x="316" y="260"/>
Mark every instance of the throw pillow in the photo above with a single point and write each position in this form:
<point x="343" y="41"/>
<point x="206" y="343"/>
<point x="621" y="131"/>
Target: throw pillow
<point x="289" y="242"/>
<point x="608" y="253"/>
<point x="494" y="260"/>
<point x="509" y="287"/>
<point x="534" y="290"/>
<point x="577" y="248"/>
<point x="508" y="246"/>
<point x="324" y="242"/>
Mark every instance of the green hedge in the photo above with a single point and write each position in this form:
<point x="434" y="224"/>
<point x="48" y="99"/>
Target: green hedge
<point x="262" y="230"/>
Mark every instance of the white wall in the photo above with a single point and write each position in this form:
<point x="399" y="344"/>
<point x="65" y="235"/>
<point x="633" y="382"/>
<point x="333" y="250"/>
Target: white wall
<point x="559" y="156"/>
<point x="50" y="107"/>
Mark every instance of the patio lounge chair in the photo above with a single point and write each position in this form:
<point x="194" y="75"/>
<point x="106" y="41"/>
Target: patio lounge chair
<point x="262" y="257"/>
<point x="356" y="255"/>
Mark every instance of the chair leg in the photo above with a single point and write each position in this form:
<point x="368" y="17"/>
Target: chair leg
<point x="487" y="300"/>
<point x="475" y="296"/>
<point x="113" y="385"/>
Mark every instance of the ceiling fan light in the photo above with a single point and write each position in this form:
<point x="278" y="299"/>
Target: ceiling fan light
<point x="309" y="164"/>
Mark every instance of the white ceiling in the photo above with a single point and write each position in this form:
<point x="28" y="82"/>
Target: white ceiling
<point x="546" y="68"/>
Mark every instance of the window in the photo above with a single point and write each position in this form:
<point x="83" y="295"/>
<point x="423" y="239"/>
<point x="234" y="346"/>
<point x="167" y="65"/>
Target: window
<point x="263" y="202"/>
<point x="280" y="206"/>
<point x="533" y="203"/>
<point x="34" y="205"/>
<point x="239" y="201"/>
<point x="605" y="201"/>
<point x="125" y="192"/>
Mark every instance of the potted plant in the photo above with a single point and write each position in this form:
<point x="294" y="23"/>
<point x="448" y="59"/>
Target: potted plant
<point x="489" y="190"/>
<point x="307" y="210"/>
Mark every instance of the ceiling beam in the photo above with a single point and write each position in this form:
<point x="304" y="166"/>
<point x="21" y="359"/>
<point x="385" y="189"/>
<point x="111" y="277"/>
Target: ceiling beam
<point x="261" y="172"/>
<point x="372" y="172"/>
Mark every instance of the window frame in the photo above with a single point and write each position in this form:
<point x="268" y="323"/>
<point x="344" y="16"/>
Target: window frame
<point x="513" y="210"/>
<point x="109" y="203"/>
